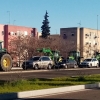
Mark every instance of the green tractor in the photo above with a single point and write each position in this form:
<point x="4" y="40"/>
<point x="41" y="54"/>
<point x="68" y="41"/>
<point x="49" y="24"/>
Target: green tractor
<point x="6" y="60"/>
<point x="97" y="56"/>
<point x="75" y="55"/>
<point x="53" y="54"/>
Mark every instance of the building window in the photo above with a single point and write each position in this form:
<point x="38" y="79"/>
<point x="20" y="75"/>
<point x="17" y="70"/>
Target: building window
<point x="96" y="43"/>
<point x="73" y="34"/>
<point x="64" y="36"/>
<point x="11" y="33"/>
<point x="87" y="43"/>
<point x="15" y="33"/>
<point x="87" y="34"/>
<point x="2" y="32"/>
<point x="25" y="33"/>
<point x="32" y="34"/>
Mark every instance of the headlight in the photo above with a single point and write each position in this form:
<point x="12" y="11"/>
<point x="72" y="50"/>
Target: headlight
<point x="64" y="64"/>
<point x="87" y="63"/>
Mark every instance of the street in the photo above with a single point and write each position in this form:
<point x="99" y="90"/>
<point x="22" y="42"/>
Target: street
<point x="20" y="74"/>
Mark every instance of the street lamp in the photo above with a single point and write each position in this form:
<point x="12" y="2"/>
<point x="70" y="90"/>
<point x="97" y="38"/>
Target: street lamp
<point x="9" y="16"/>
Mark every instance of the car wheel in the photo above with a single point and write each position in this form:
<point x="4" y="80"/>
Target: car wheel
<point x="24" y="68"/>
<point x="90" y="65"/>
<point x="49" y="66"/>
<point x="66" y="66"/>
<point x="75" y="66"/>
<point x="35" y="66"/>
<point x="97" y="65"/>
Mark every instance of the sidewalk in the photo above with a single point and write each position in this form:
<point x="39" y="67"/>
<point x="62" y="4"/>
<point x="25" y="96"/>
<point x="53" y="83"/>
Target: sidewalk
<point x="36" y="93"/>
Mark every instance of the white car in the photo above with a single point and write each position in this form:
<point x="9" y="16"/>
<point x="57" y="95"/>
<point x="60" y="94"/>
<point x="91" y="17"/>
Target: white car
<point x="90" y="62"/>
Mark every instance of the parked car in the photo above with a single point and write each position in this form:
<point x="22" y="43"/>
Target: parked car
<point x="28" y="64"/>
<point x="67" y="63"/>
<point x="90" y="62"/>
<point x="41" y="62"/>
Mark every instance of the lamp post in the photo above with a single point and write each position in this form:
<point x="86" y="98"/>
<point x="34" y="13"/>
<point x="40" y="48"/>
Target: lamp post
<point x="9" y="16"/>
<point x="97" y="32"/>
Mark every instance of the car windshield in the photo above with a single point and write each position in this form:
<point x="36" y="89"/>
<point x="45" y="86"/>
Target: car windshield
<point x="87" y="59"/>
<point x="63" y="61"/>
<point x="35" y="58"/>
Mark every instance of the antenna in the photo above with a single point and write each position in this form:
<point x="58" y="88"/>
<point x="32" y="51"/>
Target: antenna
<point x="79" y="24"/>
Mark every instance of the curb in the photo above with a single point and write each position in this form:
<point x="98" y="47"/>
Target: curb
<point x="36" y="93"/>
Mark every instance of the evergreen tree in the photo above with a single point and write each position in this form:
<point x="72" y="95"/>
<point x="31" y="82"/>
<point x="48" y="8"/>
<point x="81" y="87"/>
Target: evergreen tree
<point x="45" y="27"/>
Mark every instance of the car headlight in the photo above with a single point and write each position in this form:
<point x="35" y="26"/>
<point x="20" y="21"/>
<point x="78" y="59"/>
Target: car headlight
<point x="64" y="64"/>
<point x="87" y="63"/>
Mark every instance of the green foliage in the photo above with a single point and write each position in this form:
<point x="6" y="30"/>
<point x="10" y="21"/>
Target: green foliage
<point x="45" y="27"/>
<point x="42" y="83"/>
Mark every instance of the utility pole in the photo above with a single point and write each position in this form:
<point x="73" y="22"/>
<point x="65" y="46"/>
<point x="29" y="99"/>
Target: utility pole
<point x="80" y="49"/>
<point x="9" y="16"/>
<point x="97" y="35"/>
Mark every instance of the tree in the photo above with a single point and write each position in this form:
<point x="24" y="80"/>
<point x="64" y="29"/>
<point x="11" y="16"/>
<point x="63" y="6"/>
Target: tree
<point x="45" y="27"/>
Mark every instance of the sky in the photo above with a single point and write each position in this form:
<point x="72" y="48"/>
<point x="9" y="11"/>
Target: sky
<point x="62" y="13"/>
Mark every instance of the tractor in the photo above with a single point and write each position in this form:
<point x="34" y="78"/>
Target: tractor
<point x="5" y="59"/>
<point x="97" y="56"/>
<point x="53" y="54"/>
<point x="75" y="55"/>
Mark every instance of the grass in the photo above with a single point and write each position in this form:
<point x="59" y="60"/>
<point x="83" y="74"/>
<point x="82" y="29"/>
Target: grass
<point x="35" y="84"/>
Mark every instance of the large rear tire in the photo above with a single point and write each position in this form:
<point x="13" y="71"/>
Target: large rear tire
<point x="6" y="62"/>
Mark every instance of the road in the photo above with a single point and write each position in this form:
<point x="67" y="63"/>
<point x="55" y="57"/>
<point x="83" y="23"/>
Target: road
<point x="88" y="94"/>
<point x="18" y="74"/>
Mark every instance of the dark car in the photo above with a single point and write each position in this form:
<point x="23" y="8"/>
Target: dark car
<point x="67" y="63"/>
<point x="29" y="63"/>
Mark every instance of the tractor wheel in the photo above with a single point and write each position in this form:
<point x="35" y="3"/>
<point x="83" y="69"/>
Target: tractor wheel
<point x="6" y="62"/>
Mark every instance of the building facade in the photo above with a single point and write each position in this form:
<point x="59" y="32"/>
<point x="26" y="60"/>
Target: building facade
<point x="2" y="33"/>
<point x="8" y="31"/>
<point x="84" y="40"/>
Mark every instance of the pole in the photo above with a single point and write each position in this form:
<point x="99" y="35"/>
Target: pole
<point x="97" y="32"/>
<point x="9" y="16"/>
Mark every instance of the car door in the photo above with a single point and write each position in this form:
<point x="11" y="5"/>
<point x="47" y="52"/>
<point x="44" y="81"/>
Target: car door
<point x="45" y="61"/>
<point x="93" y="62"/>
<point x="68" y="63"/>
<point x="72" y="63"/>
<point x="41" y="62"/>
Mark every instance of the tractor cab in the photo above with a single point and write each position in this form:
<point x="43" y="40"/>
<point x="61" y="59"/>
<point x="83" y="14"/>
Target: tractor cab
<point x="75" y="55"/>
<point x="0" y="45"/>
<point x="2" y="49"/>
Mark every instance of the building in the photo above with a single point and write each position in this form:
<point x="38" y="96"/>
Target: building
<point x="8" y="31"/>
<point x="83" y="40"/>
<point x="2" y="33"/>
